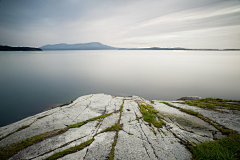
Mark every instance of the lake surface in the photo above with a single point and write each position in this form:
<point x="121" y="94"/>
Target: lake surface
<point x="31" y="82"/>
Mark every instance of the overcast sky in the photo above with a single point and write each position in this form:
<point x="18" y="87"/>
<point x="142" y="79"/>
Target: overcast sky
<point x="121" y="23"/>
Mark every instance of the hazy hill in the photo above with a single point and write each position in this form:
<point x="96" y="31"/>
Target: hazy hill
<point x="100" y="46"/>
<point x="79" y="46"/>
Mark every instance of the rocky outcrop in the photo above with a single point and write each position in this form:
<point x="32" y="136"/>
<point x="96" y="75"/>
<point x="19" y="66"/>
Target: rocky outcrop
<point x="101" y="126"/>
<point x="190" y="97"/>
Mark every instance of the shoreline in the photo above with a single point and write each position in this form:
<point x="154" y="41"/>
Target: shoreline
<point x="120" y="124"/>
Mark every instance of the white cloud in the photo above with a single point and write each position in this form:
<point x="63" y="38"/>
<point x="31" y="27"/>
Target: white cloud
<point x="136" y="23"/>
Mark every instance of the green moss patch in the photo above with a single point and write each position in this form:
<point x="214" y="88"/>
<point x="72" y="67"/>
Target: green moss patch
<point x="122" y="105"/>
<point x="166" y="103"/>
<point x="23" y="127"/>
<point x="70" y="150"/>
<point x="227" y="148"/>
<point x="121" y="110"/>
<point x="19" y="129"/>
<point x="150" y="115"/>
<point x="191" y="112"/>
<point x="42" y="116"/>
<point x="9" y="151"/>
<point x="214" y="104"/>
<point x="111" y="155"/>
<point x="116" y="128"/>
<point x="221" y="128"/>
<point x="92" y="119"/>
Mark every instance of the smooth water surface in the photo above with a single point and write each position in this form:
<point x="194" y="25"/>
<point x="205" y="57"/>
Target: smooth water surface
<point x="31" y="82"/>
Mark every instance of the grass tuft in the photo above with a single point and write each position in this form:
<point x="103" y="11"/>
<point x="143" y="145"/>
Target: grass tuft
<point x="214" y="104"/>
<point x="166" y="103"/>
<point x="111" y="155"/>
<point x="70" y="150"/>
<point x="92" y="119"/>
<point x="19" y="129"/>
<point x="9" y="151"/>
<point x="221" y="128"/>
<point x="23" y="127"/>
<point x="191" y="112"/>
<point x="150" y="115"/>
<point x="42" y="116"/>
<point x="227" y="148"/>
<point x="121" y="108"/>
<point x="115" y="127"/>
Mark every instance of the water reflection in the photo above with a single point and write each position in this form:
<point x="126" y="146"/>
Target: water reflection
<point x="33" y="81"/>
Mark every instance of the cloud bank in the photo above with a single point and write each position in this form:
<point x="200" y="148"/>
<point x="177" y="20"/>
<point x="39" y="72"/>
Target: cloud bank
<point x="121" y="23"/>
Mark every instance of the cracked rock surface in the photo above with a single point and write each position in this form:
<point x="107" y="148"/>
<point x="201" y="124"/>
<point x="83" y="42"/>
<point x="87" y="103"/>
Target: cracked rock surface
<point x="232" y="121"/>
<point x="135" y="139"/>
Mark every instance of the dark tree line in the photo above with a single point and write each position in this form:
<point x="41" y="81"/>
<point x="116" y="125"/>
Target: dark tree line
<point x="9" y="48"/>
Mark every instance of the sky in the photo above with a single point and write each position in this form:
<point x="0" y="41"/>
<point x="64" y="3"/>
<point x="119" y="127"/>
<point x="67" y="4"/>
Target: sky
<point x="121" y="23"/>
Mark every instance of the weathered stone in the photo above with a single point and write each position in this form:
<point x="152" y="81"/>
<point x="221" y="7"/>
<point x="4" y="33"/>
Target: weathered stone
<point x="56" y="142"/>
<point x="231" y="121"/>
<point x="101" y="147"/>
<point x="186" y="122"/>
<point x="137" y="139"/>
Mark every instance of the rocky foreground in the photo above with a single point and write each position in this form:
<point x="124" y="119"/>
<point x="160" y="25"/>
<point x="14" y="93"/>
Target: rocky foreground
<point x="101" y="126"/>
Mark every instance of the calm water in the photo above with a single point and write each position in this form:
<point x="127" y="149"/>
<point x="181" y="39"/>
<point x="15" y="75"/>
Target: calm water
<point x="31" y="82"/>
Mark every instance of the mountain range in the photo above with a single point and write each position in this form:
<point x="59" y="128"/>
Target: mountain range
<point x="79" y="46"/>
<point x="95" y="46"/>
<point x="100" y="46"/>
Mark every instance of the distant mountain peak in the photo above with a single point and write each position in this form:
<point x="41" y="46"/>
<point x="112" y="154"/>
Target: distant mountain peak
<point x="78" y="46"/>
<point x="95" y="42"/>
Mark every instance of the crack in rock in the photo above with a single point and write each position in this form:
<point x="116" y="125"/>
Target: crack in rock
<point x="85" y="154"/>
<point x="149" y="142"/>
<point x="144" y="144"/>
<point x="83" y="110"/>
<point x="58" y="147"/>
<point x="134" y="139"/>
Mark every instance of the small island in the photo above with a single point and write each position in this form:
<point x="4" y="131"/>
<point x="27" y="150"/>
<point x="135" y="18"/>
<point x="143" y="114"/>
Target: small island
<point x="10" y="48"/>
